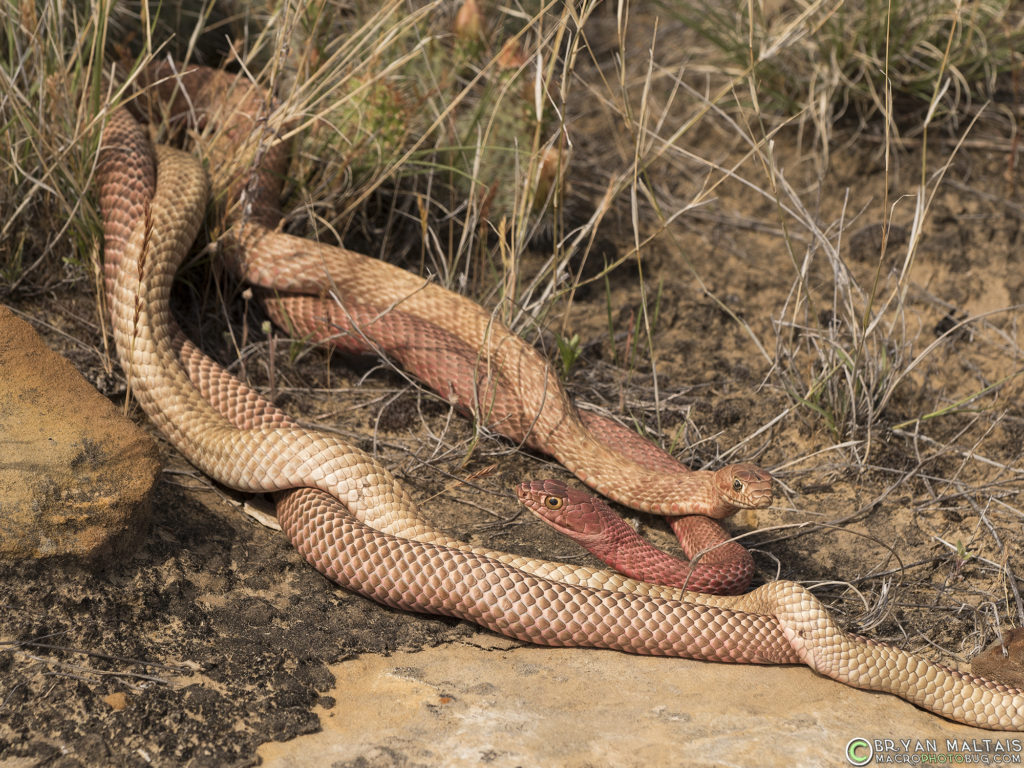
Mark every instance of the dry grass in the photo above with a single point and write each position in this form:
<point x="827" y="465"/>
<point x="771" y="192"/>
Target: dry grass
<point x="824" y="62"/>
<point x="51" y="68"/>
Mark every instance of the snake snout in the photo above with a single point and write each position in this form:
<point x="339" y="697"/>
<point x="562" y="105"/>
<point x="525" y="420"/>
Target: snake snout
<point x="761" y="494"/>
<point x="747" y="486"/>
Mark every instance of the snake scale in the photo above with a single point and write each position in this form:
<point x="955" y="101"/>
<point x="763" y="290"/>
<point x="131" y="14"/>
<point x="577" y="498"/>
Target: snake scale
<point x="357" y="524"/>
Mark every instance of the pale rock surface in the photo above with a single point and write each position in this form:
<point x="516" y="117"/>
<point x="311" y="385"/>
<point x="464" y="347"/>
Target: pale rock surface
<point x="75" y="475"/>
<point x="504" y="705"/>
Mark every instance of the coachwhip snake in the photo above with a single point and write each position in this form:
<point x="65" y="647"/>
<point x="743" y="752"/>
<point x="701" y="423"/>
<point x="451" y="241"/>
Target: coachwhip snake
<point x="357" y="524"/>
<point x="448" y="342"/>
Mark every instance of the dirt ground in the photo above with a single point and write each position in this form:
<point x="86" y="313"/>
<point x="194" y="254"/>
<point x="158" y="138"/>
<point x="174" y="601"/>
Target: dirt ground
<point x="216" y="636"/>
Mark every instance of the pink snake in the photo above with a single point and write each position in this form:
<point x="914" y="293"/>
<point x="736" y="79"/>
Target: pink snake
<point x="590" y="522"/>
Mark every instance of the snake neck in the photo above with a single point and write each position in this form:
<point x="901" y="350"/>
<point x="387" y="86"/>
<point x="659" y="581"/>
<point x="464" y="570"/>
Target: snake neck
<point x="685" y="493"/>
<point x="628" y="553"/>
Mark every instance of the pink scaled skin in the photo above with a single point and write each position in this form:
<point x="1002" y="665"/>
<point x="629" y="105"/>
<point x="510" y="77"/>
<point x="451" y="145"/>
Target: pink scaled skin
<point x="725" y="567"/>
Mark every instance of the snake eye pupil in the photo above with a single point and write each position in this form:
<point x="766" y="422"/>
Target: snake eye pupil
<point x="552" y="502"/>
<point x="737" y="485"/>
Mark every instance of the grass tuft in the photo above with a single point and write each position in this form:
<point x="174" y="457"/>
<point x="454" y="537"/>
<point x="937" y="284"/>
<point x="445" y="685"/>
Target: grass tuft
<point x="51" y="93"/>
<point x="865" y="60"/>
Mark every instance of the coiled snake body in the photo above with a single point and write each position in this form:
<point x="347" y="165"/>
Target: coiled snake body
<point x="356" y="523"/>
<point x="450" y="343"/>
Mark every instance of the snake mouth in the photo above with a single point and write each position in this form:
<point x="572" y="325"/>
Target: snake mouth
<point x="563" y="529"/>
<point x="588" y="540"/>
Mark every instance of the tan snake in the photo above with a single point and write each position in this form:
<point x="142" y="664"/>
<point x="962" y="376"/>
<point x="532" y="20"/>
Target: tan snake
<point x="449" y="343"/>
<point x="358" y="525"/>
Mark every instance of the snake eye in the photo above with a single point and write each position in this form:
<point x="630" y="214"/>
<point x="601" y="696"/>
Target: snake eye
<point x="737" y="485"/>
<point x="553" y="502"/>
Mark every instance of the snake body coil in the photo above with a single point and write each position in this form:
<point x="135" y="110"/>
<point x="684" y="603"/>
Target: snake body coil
<point x="356" y="523"/>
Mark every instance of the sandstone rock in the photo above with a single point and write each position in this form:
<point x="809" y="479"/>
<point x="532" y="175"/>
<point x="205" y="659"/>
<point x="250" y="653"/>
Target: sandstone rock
<point x="502" y="706"/>
<point x="75" y="474"/>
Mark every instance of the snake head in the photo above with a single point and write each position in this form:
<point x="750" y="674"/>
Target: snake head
<point x="743" y="486"/>
<point x="576" y="514"/>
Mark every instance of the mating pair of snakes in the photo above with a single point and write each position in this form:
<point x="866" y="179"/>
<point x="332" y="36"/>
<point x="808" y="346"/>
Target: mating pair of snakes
<point x="346" y="513"/>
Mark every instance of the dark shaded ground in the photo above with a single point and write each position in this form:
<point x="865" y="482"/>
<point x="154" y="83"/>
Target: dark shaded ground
<point x="222" y="636"/>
